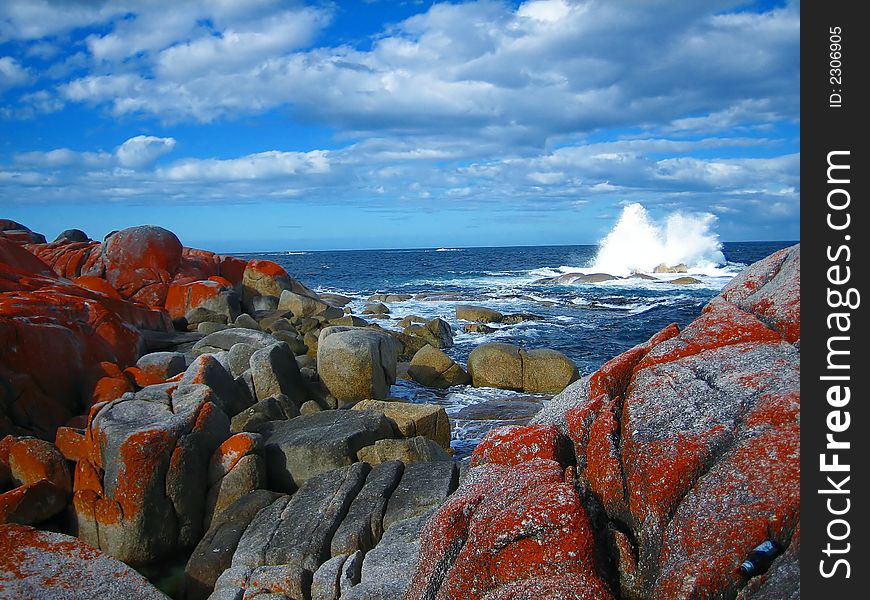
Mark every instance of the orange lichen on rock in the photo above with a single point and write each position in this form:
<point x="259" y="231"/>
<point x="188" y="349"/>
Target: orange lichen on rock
<point x="721" y="323"/>
<point x="513" y="444"/>
<point x="506" y="524"/>
<point x="603" y="468"/>
<point x="39" y="477"/>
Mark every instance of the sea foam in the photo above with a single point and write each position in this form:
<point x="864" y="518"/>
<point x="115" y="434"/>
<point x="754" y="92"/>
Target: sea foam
<point x="639" y="244"/>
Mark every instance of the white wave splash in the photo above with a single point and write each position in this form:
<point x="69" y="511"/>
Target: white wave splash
<point x="638" y="244"/>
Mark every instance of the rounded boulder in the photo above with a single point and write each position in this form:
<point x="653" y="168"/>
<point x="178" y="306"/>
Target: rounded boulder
<point x="355" y="364"/>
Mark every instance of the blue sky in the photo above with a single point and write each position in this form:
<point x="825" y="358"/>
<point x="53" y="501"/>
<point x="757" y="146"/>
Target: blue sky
<point x="272" y="125"/>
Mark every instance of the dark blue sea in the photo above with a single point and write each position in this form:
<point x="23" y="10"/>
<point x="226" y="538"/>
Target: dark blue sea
<point x="590" y="323"/>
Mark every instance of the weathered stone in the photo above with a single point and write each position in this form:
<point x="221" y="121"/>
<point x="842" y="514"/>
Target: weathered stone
<point x="247" y="475"/>
<point x="246" y="321"/>
<point x="72" y="235"/>
<point x="44" y="565"/>
<point x="356" y="364"/>
<point x="275" y="371"/>
<point x="229" y="396"/>
<point x="478" y="314"/>
<point x="227" y="338"/>
<point x="349" y="321"/>
<point x="325" y="585"/>
<point x="684" y="281"/>
<point x="505" y="525"/>
<point x="376" y="308"/>
<point x="664" y="268"/>
<point x="406" y="345"/>
<point x="433" y="368"/>
<point x="163" y="364"/>
<point x="477" y="328"/>
<point x="409" y="450"/>
<point x="389" y="297"/>
<point x="145" y="454"/>
<point x="259" y="303"/>
<point x="208" y="327"/>
<point x="274" y="408"/>
<point x="410" y="420"/>
<point x="240" y="358"/>
<point x="214" y="553"/>
<point x="437" y="333"/>
<point x="411" y="320"/>
<point x="307" y="306"/>
<point x="265" y="278"/>
<point x="512" y="445"/>
<point x="363" y="525"/>
<point x="547" y="371"/>
<point x="520" y="318"/>
<point x="309" y="407"/>
<point x="300" y="545"/>
<point x="387" y="569"/>
<point x="294" y="341"/>
<point x="496" y="365"/>
<point x="301" y="448"/>
<point x="423" y="485"/>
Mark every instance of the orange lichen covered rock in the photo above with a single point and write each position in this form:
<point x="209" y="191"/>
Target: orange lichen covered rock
<point x="690" y="442"/>
<point x="53" y="336"/>
<point x="42" y="564"/>
<point x="39" y="477"/>
<point x="771" y="291"/>
<point x="215" y="294"/>
<point x="141" y="261"/>
<point x="140" y="486"/>
<point x="513" y="444"/>
<point x="505" y="525"/>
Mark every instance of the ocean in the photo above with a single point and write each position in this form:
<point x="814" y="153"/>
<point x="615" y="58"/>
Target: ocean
<point x="589" y="322"/>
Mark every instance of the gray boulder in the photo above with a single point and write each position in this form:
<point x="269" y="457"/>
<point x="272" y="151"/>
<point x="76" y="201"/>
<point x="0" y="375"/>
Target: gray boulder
<point x="307" y="306"/>
<point x="294" y="541"/>
<point x="72" y="235"/>
<point x="363" y="525"/>
<point x="274" y="371"/>
<point x="478" y="314"/>
<point x="214" y="553"/>
<point x="298" y="449"/>
<point x="227" y="338"/>
<point x="162" y="364"/>
<point x="273" y="408"/>
<point x="388" y="568"/>
<point x="407" y="450"/>
<point x="423" y="485"/>
<point x="229" y="395"/>
<point x="44" y="565"/>
<point x="154" y="449"/>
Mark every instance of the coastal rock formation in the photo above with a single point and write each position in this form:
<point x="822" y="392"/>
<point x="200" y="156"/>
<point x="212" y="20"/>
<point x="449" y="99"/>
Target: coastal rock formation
<point x="690" y="442"/>
<point x="355" y="364"/>
<point x="437" y="333"/>
<point x="509" y="367"/>
<point x="478" y="314"/>
<point x="56" y="340"/>
<point x="140" y="490"/>
<point x="433" y="368"/>
<point x="42" y="564"/>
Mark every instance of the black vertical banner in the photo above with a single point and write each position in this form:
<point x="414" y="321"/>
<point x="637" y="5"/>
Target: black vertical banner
<point x="835" y="408"/>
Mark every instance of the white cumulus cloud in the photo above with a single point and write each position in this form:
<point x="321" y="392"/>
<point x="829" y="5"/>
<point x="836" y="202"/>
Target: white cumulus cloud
<point x="143" y="150"/>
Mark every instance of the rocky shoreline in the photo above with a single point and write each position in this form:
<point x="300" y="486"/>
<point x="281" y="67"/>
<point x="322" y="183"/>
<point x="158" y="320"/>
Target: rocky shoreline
<point x="162" y="401"/>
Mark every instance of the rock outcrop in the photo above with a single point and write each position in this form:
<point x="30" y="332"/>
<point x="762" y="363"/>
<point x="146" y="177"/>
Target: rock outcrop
<point x="509" y="367"/>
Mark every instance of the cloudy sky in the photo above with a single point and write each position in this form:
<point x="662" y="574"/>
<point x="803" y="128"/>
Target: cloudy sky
<point x="267" y="124"/>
